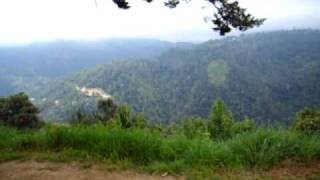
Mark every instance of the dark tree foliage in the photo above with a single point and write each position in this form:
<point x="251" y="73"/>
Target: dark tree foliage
<point x="123" y="4"/>
<point x="226" y="14"/>
<point x="107" y="109"/>
<point x="220" y="121"/>
<point x="308" y="120"/>
<point x="128" y="119"/>
<point x="82" y="116"/>
<point x="18" y="111"/>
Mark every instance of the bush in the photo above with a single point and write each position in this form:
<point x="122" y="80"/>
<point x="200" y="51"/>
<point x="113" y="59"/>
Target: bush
<point x="247" y="125"/>
<point x="220" y="121"/>
<point x="129" y="119"/>
<point x="308" y="120"/>
<point x="83" y="117"/>
<point x="195" y="127"/>
<point x="18" y="111"/>
<point x="106" y="110"/>
<point x="124" y="116"/>
<point x="139" y="121"/>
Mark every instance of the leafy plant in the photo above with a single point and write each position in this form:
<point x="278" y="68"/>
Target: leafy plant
<point x="195" y="127"/>
<point x="308" y="120"/>
<point x="247" y="125"/>
<point x="220" y="121"/>
<point x="106" y="109"/>
<point x="124" y="116"/>
<point x="18" y="111"/>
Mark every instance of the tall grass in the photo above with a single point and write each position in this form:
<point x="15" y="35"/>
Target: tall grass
<point x="262" y="148"/>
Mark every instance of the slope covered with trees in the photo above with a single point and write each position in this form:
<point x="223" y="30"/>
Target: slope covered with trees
<point x="266" y="76"/>
<point x="63" y="56"/>
<point x="44" y="61"/>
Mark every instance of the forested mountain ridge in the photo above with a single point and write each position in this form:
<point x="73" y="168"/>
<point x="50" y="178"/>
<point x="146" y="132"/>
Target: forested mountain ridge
<point x="46" y="60"/>
<point x="63" y="57"/>
<point x="267" y="76"/>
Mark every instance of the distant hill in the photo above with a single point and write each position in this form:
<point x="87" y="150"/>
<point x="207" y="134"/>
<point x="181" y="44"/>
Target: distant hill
<point x="267" y="76"/>
<point x="65" y="56"/>
<point x="59" y="58"/>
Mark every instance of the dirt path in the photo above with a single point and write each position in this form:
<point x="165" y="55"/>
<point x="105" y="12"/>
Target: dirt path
<point x="32" y="170"/>
<point x="295" y="171"/>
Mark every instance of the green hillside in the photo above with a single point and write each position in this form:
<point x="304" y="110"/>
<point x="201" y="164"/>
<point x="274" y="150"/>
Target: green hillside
<point x="267" y="76"/>
<point x="21" y="65"/>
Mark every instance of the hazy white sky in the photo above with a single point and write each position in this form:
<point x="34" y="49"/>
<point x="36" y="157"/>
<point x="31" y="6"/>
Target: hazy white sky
<point x="25" y="21"/>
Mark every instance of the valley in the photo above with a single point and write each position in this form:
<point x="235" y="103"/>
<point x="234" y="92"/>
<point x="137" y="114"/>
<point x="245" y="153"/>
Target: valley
<point x="266" y="76"/>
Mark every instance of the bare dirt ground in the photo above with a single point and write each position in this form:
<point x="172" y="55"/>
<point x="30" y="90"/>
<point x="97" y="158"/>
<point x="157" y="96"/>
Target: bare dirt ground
<point x="293" y="170"/>
<point x="287" y="170"/>
<point x="32" y="170"/>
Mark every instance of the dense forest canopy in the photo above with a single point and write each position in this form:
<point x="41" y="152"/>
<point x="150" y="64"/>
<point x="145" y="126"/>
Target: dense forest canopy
<point x="266" y="76"/>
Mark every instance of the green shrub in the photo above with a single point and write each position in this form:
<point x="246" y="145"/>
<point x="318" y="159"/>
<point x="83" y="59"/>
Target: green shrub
<point x="173" y="128"/>
<point x="220" y="121"/>
<point x="83" y="117"/>
<point x="129" y="119"/>
<point x="308" y="148"/>
<point x="308" y="120"/>
<point x="18" y="111"/>
<point x="139" y="121"/>
<point x="106" y="110"/>
<point x="7" y="137"/>
<point x="247" y="125"/>
<point x="195" y="127"/>
<point x="109" y="113"/>
<point x="124" y="116"/>
<point x="263" y="148"/>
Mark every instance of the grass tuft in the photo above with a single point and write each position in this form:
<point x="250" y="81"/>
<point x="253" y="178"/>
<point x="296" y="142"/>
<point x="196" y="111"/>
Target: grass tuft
<point x="158" y="152"/>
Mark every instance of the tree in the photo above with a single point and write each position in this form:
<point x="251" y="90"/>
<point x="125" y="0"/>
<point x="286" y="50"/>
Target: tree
<point x="124" y="116"/>
<point x="220" y="121"/>
<point x="18" y="111"/>
<point x="107" y="109"/>
<point x="226" y="14"/>
<point x="81" y="116"/>
<point x="308" y="120"/>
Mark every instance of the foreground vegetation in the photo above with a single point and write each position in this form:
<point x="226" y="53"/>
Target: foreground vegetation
<point x="155" y="150"/>
<point x="116" y="134"/>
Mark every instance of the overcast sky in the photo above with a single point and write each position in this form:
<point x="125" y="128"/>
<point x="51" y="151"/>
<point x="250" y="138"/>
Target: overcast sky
<point x="25" y="21"/>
